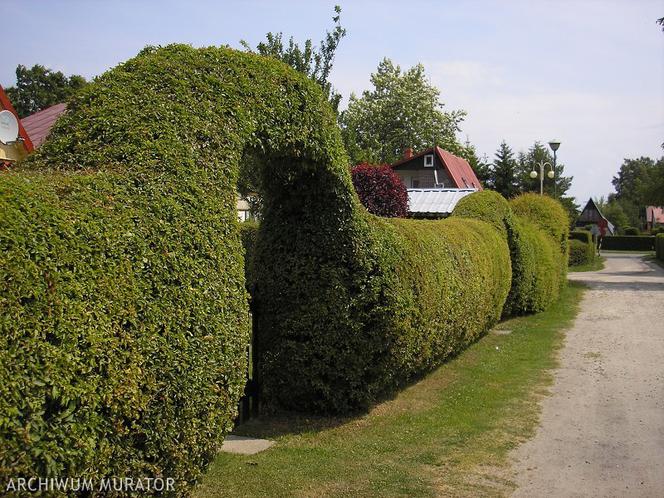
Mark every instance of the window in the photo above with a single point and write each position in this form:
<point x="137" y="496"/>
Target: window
<point x="428" y="161"/>
<point x="416" y="184"/>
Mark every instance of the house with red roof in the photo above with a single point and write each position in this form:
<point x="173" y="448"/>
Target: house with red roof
<point x="654" y="217"/>
<point x="15" y="149"/>
<point x="435" y="168"/>
<point x="436" y="181"/>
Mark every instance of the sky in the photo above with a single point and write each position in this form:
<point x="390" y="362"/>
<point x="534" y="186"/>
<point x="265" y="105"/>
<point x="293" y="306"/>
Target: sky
<point x="589" y="73"/>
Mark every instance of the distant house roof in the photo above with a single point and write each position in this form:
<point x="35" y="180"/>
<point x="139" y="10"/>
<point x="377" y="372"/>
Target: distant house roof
<point x="39" y="124"/>
<point x="655" y="215"/>
<point x="592" y="215"/>
<point x="460" y="171"/>
<point x="436" y="202"/>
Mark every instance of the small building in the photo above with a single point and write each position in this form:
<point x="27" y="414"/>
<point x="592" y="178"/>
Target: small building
<point x="435" y="202"/>
<point x="591" y="215"/>
<point x="19" y="147"/>
<point x="654" y="217"/>
<point x="435" y="168"/>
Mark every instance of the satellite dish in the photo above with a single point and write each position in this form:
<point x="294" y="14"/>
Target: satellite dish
<point x="8" y="127"/>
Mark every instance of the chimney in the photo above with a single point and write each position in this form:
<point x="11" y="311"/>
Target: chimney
<point x="408" y="153"/>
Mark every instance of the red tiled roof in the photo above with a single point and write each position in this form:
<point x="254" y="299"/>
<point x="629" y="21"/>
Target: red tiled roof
<point x="460" y="171"/>
<point x="39" y="124"/>
<point x="6" y="104"/>
<point x="655" y="214"/>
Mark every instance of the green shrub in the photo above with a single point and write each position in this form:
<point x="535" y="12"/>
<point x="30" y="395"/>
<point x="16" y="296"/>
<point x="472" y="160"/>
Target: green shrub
<point x="628" y="243"/>
<point x="122" y="289"/>
<point x="632" y="231"/>
<point x="486" y="205"/>
<point x="536" y="276"/>
<point x="659" y="246"/>
<point x="582" y="235"/>
<point x="578" y="253"/>
<point x="550" y="216"/>
<point x="581" y="248"/>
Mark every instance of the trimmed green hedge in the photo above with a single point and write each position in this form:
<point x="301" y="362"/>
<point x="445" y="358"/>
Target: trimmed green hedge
<point x="628" y="243"/>
<point x="414" y="293"/>
<point x="123" y="301"/>
<point x="581" y="248"/>
<point x="583" y="235"/>
<point x="659" y="246"/>
<point x="122" y="288"/>
<point x="536" y="275"/>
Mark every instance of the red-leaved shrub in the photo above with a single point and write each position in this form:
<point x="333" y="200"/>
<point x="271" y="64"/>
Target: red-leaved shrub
<point x="381" y="190"/>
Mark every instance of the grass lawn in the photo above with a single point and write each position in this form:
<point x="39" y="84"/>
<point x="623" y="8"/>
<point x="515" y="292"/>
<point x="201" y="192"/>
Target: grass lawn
<point x="449" y="433"/>
<point x="596" y="265"/>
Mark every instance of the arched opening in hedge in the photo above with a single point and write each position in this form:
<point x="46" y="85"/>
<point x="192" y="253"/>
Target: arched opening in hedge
<point x="124" y="309"/>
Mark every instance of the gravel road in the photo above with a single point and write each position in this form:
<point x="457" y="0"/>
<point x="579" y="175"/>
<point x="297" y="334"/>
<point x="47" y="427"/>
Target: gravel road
<point x="601" y="432"/>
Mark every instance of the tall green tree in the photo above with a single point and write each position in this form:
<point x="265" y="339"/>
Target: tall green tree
<point x="504" y="172"/>
<point x="402" y="110"/>
<point x="39" y="87"/>
<point x="638" y="183"/>
<point x="315" y="62"/>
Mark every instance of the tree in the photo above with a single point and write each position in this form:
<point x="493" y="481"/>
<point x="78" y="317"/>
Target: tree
<point x="638" y="183"/>
<point x="504" y="172"/>
<point x="316" y="63"/>
<point x="403" y="110"/>
<point x="613" y="211"/>
<point x="38" y="88"/>
<point x="380" y="190"/>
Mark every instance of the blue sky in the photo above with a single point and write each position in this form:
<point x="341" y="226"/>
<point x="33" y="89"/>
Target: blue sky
<point x="588" y="72"/>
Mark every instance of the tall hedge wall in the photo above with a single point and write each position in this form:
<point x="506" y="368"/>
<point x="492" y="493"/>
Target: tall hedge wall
<point x="123" y="302"/>
<point x="122" y="298"/>
<point x="659" y="246"/>
<point x="534" y="243"/>
<point x="581" y="248"/>
<point x="628" y="243"/>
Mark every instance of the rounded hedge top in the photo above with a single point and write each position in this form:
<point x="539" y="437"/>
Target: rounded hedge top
<point x="545" y="212"/>
<point x="122" y="291"/>
<point x="488" y="206"/>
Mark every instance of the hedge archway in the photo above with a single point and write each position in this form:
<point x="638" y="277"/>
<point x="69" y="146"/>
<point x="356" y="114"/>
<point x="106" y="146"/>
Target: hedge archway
<point x="123" y="301"/>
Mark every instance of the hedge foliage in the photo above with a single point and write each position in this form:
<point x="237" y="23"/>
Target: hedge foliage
<point x="122" y="290"/>
<point x="628" y="243"/>
<point x="124" y="309"/>
<point x="536" y="255"/>
<point x="581" y="248"/>
<point x="659" y="246"/>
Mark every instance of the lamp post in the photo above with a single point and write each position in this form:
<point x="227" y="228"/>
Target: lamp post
<point x="554" y="144"/>
<point x="550" y="174"/>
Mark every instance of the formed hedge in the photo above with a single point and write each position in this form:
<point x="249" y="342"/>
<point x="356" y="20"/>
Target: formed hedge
<point x="122" y="289"/>
<point x="123" y="301"/>
<point x="550" y="216"/>
<point x="659" y="246"/>
<point x="628" y="243"/>
<point x="581" y="248"/>
<point x="535" y="255"/>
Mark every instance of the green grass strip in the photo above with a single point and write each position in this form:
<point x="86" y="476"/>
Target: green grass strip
<point x="449" y="433"/>
<point x="596" y="265"/>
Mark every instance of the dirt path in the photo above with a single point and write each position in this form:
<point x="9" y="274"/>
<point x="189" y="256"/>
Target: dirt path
<point x="602" y="429"/>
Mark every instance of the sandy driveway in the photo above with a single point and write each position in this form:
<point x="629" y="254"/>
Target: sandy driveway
<point x="602" y="429"/>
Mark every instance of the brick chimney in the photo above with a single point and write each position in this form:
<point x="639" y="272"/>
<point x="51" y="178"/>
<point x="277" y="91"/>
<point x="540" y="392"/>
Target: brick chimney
<point x="408" y="153"/>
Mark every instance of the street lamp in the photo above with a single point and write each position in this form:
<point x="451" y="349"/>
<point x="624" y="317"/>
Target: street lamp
<point x="550" y="174"/>
<point x="554" y="144"/>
